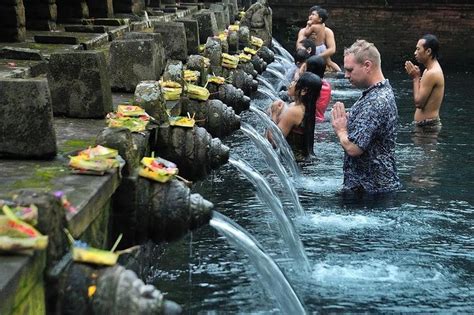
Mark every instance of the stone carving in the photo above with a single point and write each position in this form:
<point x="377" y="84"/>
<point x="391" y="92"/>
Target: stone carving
<point x="258" y="18"/>
<point x="230" y="95"/>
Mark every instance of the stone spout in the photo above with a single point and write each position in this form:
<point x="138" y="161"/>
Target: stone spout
<point x="230" y="95"/>
<point x="219" y="119"/>
<point x="244" y="81"/>
<point x="266" y="54"/>
<point x="117" y="291"/>
<point x="192" y="149"/>
<point x="259" y="64"/>
<point x="174" y="211"/>
<point x="249" y="68"/>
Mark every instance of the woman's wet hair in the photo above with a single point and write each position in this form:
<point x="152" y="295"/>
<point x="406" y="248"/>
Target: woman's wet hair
<point x="311" y="84"/>
<point x="316" y="65"/>
<point x="431" y="42"/>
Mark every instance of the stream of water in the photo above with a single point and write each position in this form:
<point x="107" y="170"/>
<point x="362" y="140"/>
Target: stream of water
<point x="409" y="252"/>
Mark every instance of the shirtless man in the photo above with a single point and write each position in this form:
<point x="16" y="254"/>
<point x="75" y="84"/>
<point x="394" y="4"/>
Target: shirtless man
<point x="320" y="34"/>
<point x="428" y="89"/>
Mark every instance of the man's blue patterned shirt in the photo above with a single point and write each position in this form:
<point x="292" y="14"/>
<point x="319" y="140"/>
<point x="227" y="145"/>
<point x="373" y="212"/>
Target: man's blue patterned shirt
<point x="372" y="125"/>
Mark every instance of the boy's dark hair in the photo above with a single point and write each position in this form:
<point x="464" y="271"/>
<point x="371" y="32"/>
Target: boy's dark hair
<point x="301" y="55"/>
<point x="323" y="13"/>
<point x="308" y="43"/>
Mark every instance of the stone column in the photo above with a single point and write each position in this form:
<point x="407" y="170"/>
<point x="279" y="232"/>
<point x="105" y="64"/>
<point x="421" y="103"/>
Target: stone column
<point x="72" y="9"/>
<point x="129" y="6"/>
<point x="12" y="21"/>
<point x="101" y="8"/>
<point x="41" y="15"/>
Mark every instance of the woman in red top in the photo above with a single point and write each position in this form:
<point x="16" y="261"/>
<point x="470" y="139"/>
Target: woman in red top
<point x="317" y="65"/>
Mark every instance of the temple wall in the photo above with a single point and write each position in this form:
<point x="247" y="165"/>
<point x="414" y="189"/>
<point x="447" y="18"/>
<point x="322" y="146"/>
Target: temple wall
<point x="394" y="26"/>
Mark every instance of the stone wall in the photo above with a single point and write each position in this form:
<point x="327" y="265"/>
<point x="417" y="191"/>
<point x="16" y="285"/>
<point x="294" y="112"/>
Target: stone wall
<point x="393" y="25"/>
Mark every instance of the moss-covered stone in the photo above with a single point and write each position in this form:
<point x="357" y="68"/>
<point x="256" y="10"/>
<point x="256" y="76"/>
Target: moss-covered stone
<point x="24" y="292"/>
<point x="76" y="144"/>
<point x="42" y="177"/>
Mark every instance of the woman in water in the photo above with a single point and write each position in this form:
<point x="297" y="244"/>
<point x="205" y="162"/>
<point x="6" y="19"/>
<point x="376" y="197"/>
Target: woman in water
<point x="317" y="65"/>
<point x="296" y="120"/>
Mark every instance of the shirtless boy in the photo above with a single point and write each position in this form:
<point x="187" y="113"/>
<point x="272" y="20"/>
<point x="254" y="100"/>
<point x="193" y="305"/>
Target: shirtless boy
<point x="428" y="89"/>
<point x="320" y="34"/>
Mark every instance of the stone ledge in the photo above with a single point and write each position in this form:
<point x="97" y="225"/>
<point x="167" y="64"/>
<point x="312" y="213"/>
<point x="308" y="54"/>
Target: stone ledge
<point x="21" y="277"/>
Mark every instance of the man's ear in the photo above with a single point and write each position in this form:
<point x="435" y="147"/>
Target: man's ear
<point x="368" y="64"/>
<point x="429" y="51"/>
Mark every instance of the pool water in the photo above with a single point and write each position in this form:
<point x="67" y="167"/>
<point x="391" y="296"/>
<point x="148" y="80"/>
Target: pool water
<point x="408" y="252"/>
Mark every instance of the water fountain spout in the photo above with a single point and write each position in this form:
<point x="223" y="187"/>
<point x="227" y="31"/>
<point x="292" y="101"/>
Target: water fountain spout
<point x="280" y="141"/>
<point x="273" y="279"/>
<point x="267" y="195"/>
<point x="274" y="163"/>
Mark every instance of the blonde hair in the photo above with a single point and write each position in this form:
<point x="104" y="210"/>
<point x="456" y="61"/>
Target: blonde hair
<point x="362" y="51"/>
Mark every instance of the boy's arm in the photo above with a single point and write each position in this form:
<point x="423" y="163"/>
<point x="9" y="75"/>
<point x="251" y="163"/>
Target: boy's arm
<point x="310" y="29"/>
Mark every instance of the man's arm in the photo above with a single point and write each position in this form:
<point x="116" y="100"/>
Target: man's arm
<point x="422" y="85"/>
<point x="330" y="44"/>
<point x="339" y="124"/>
<point x="422" y="88"/>
<point x="300" y="38"/>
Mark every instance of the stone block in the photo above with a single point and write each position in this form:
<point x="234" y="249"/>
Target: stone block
<point x="174" y="39"/>
<point x="85" y="28"/>
<point x="173" y="71"/>
<point x="224" y="10"/>
<point x="80" y="84"/>
<point x="207" y="24"/>
<point x="220" y="20"/>
<point x="132" y="61"/>
<point x="191" y="28"/>
<point x="149" y="96"/>
<point x="121" y="139"/>
<point x="160" y="52"/>
<point x="27" y="119"/>
<point x="56" y="39"/>
<point x="20" y="53"/>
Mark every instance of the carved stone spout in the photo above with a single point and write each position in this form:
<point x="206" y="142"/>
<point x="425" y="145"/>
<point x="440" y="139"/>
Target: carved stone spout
<point x="230" y="95"/>
<point x="266" y="54"/>
<point x="259" y="64"/>
<point x="219" y="119"/>
<point x="172" y="211"/>
<point x="86" y="289"/>
<point x="192" y="149"/>
<point x="242" y="80"/>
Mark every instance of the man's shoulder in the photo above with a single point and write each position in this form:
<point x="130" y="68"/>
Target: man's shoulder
<point x="434" y="75"/>
<point x="328" y="30"/>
